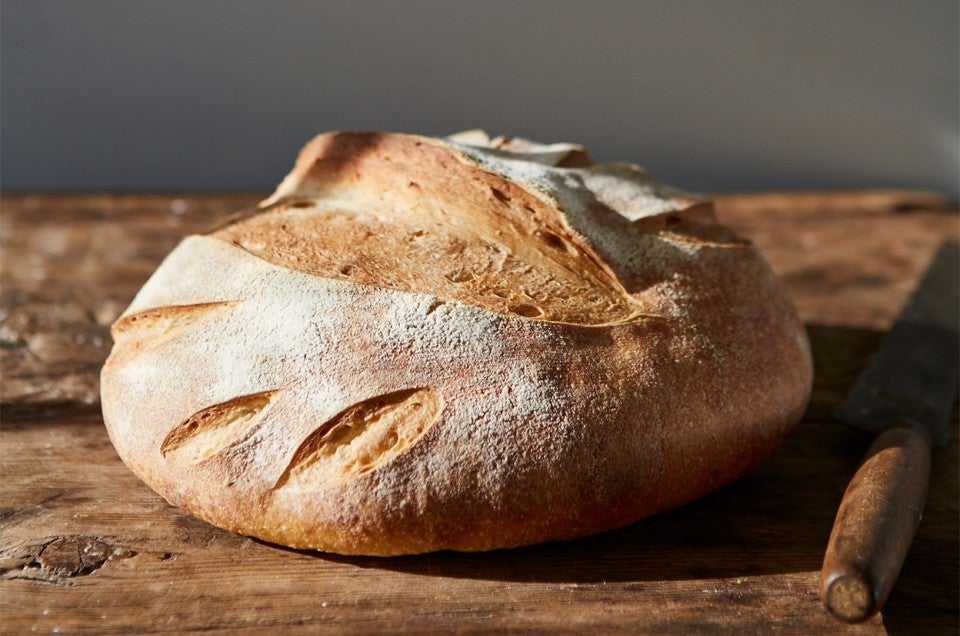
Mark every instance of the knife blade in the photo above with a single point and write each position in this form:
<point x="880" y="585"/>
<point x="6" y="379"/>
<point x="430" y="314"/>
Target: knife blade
<point x="906" y="394"/>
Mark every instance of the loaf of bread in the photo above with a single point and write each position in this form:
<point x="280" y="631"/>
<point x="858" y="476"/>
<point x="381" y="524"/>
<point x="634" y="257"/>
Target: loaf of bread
<point x="468" y="343"/>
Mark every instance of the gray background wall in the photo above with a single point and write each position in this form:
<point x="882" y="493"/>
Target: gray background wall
<point x="740" y="94"/>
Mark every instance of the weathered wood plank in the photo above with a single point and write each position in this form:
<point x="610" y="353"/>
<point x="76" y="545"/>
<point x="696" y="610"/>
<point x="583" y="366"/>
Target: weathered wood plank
<point x="743" y="560"/>
<point x="85" y="546"/>
<point x="70" y="265"/>
<point x="851" y="258"/>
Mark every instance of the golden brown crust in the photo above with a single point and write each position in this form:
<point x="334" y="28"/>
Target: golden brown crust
<point x="411" y="214"/>
<point x="520" y="347"/>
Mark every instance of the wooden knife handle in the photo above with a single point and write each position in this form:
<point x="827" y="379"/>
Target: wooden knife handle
<point x="876" y="523"/>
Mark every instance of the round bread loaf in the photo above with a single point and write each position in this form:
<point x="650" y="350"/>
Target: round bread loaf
<point x="467" y="343"/>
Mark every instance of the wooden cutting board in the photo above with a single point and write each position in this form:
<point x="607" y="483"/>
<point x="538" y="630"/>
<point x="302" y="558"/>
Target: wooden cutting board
<point x="85" y="546"/>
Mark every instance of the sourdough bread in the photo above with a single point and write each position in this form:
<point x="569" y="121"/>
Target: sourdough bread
<point x="467" y="343"/>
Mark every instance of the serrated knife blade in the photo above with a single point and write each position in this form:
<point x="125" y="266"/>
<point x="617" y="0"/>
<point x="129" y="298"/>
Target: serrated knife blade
<point x="913" y="377"/>
<point x="906" y="394"/>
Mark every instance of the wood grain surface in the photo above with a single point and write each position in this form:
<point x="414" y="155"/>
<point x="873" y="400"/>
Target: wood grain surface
<point x="86" y="547"/>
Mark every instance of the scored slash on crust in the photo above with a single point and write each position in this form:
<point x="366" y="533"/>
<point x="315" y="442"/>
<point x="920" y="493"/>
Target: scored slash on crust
<point x="363" y="436"/>
<point x="215" y="428"/>
<point x="423" y="217"/>
<point x="157" y="322"/>
<point x="354" y="442"/>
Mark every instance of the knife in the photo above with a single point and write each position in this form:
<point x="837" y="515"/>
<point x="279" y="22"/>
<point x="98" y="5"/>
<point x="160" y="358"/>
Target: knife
<point x="906" y="394"/>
